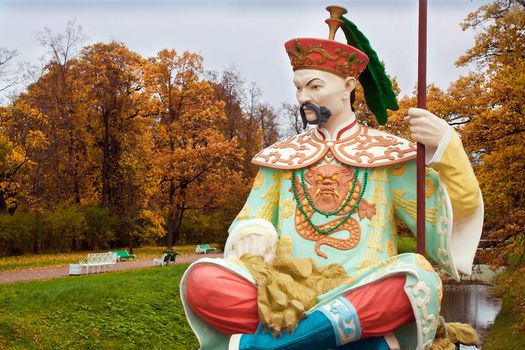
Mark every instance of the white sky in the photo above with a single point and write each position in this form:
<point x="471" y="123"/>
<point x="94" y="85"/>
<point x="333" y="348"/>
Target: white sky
<point x="248" y="34"/>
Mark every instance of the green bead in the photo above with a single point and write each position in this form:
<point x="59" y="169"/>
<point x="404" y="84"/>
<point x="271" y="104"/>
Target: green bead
<point x="346" y="218"/>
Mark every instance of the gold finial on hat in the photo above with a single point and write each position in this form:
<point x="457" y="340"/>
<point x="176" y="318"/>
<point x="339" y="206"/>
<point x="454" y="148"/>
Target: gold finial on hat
<point x="334" y="22"/>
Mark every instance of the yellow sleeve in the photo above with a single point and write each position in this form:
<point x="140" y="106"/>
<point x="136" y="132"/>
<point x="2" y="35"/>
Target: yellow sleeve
<point x="455" y="171"/>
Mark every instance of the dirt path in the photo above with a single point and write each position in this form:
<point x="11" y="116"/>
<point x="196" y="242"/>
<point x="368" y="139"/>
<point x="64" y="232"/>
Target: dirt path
<point x="63" y="271"/>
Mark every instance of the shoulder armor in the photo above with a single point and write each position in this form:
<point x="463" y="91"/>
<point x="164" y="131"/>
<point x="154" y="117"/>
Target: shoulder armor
<point x="367" y="147"/>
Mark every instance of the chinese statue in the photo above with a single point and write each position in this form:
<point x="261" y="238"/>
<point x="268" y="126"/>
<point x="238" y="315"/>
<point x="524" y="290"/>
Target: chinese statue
<point x="321" y="218"/>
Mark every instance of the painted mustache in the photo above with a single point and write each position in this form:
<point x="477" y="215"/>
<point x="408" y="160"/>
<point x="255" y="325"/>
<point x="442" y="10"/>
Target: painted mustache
<point x="322" y="113"/>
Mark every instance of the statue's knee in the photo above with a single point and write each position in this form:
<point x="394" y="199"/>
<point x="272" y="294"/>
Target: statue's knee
<point x="200" y="276"/>
<point x="223" y="299"/>
<point x="212" y="287"/>
<point x="201" y="284"/>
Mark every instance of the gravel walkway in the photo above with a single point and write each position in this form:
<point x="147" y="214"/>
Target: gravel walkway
<point x="63" y="271"/>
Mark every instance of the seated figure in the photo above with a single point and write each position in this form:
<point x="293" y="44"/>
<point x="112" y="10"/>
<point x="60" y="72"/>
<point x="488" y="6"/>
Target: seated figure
<point x="332" y="194"/>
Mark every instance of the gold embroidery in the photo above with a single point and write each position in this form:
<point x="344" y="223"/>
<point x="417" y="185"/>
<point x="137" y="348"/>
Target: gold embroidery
<point x="271" y="199"/>
<point x="391" y="248"/>
<point x="287" y="174"/>
<point x="429" y="188"/>
<point x="285" y="245"/>
<point x="421" y="261"/>
<point x="409" y="207"/>
<point x="244" y="213"/>
<point x="287" y="208"/>
<point x="393" y="227"/>
<point x="259" y="180"/>
<point x="390" y="212"/>
<point x="378" y="222"/>
<point x="390" y="261"/>
<point x="398" y="169"/>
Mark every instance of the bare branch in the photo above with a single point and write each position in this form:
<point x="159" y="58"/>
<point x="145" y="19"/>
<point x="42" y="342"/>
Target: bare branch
<point x="62" y="46"/>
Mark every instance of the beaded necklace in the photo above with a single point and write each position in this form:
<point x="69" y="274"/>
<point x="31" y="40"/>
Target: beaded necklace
<point x="345" y="219"/>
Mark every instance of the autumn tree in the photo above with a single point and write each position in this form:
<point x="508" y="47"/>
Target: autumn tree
<point x="192" y="153"/>
<point x="253" y="122"/>
<point x="54" y="97"/>
<point x="13" y="157"/>
<point x="229" y="87"/>
<point x="118" y="118"/>
<point x="494" y="107"/>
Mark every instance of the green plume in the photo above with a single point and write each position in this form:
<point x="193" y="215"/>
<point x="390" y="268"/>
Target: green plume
<point x="377" y="86"/>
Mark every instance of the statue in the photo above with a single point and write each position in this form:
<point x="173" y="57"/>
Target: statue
<point x="331" y="196"/>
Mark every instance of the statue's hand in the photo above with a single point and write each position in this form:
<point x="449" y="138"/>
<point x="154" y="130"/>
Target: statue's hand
<point x="254" y="244"/>
<point x="252" y="236"/>
<point x="425" y="127"/>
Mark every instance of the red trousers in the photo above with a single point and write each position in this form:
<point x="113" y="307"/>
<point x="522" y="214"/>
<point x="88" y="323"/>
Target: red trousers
<point x="229" y="302"/>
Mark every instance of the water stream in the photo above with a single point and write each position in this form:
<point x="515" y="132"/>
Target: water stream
<point x="470" y="304"/>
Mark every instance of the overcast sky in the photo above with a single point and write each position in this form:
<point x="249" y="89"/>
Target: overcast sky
<point x="248" y="34"/>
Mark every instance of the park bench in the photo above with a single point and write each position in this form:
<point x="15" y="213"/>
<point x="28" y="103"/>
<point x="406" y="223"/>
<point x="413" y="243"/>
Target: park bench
<point x="204" y="249"/>
<point x="124" y="255"/>
<point x="166" y="258"/>
<point x="98" y="262"/>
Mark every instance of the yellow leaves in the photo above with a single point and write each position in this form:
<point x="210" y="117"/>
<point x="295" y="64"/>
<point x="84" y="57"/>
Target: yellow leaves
<point x="155" y="220"/>
<point x="36" y="139"/>
<point x="501" y="35"/>
<point x="30" y="112"/>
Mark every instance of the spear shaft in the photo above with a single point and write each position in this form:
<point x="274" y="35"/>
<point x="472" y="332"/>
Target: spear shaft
<point x="421" y="103"/>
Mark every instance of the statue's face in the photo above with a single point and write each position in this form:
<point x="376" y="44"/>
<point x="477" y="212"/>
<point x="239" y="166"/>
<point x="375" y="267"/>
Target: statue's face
<point x="322" y="88"/>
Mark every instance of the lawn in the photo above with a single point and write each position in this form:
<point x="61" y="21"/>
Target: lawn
<point x="508" y="329"/>
<point x="406" y="244"/>
<point x="128" y="310"/>
<point x="54" y="260"/>
<point x="142" y="310"/>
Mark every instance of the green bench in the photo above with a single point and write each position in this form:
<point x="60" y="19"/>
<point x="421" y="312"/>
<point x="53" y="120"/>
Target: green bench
<point x="166" y="258"/>
<point x="204" y="249"/>
<point x="124" y="255"/>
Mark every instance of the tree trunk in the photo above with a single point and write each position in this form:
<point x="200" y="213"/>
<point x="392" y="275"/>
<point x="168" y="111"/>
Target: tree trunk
<point x="3" y="204"/>
<point x="171" y="214"/>
<point x="73" y="163"/>
<point x="181" y="208"/>
<point x="105" y="161"/>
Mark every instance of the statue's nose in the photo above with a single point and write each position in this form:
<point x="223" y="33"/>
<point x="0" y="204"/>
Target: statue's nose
<point x="303" y="97"/>
<point x="327" y="181"/>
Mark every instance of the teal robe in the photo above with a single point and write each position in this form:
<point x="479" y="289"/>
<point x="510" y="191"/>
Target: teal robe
<point x="390" y="190"/>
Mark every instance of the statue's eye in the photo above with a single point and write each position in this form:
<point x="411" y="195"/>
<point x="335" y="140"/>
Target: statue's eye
<point x="320" y="178"/>
<point x="334" y="177"/>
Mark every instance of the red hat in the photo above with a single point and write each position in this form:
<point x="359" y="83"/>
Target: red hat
<point x="328" y="55"/>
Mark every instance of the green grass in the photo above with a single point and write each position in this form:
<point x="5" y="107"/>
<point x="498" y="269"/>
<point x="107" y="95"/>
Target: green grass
<point x="406" y="244"/>
<point x="507" y="330"/>
<point x="501" y="335"/>
<point x="29" y="261"/>
<point x="128" y="310"/>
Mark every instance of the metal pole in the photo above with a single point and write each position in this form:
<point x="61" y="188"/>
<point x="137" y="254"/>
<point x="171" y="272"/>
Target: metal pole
<point x="421" y="103"/>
